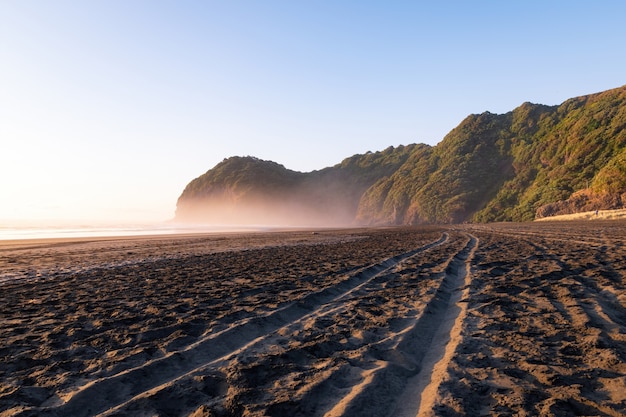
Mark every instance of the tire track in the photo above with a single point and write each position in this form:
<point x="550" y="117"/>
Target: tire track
<point x="448" y="336"/>
<point x="321" y="308"/>
<point x="546" y="234"/>
<point x="97" y="397"/>
<point x="404" y="372"/>
<point x="323" y="313"/>
<point x="559" y="327"/>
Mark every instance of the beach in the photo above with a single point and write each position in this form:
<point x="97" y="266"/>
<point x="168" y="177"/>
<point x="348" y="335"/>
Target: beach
<point x="497" y="319"/>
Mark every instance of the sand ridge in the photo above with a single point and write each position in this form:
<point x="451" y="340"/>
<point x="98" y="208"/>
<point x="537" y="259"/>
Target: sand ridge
<point x="465" y="320"/>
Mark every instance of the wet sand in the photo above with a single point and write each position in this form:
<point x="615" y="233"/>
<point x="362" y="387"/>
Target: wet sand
<point x="507" y="319"/>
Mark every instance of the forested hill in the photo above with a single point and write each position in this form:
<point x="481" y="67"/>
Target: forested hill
<point x="535" y="161"/>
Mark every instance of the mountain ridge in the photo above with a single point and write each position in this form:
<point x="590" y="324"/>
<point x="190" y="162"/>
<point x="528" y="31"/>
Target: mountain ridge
<point x="534" y="161"/>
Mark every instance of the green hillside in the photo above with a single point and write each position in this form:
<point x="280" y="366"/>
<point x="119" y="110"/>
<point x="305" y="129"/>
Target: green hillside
<point x="249" y="190"/>
<point x="533" y="161"/>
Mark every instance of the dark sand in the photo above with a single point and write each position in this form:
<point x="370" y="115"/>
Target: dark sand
<point x="517" y="319"/>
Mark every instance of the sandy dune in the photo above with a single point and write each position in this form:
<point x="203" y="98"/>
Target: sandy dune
<point x="618" y="214"/>
<point x="518" y="319"/>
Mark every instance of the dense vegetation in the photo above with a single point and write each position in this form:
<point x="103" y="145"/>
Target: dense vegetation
<point x="533" y="161"/>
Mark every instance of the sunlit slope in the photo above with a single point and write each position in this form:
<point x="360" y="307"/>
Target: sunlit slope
<point x="534" y="161"/>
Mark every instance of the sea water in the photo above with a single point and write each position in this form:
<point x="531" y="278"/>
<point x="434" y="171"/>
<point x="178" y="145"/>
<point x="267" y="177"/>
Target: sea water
<point x="82" y="231"/>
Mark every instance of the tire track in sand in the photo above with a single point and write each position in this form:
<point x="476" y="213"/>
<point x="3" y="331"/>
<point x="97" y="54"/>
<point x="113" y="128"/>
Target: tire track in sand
<point x="113" y="392"/>
<point x="446" y="339"/>
<point x="406" y="385"/>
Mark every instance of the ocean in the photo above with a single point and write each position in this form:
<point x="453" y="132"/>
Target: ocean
<point x="82" y="231"/>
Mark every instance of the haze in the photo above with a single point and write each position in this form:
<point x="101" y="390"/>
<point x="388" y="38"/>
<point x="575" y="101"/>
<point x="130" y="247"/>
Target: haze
<point x="108" y="109"/>
<point x="299" y="209"/>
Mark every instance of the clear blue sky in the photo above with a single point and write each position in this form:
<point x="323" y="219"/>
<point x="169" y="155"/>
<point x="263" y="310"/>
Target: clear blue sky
<point x="109" y="108"/>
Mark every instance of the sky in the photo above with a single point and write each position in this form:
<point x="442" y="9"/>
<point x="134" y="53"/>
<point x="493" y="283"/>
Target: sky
<point x="108" y="108"/>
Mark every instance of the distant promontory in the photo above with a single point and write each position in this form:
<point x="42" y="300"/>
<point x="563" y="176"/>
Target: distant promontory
<point x="535" y="161"/>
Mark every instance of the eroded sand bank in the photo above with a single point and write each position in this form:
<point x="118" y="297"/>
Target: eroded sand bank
<point x="526" y="319"/>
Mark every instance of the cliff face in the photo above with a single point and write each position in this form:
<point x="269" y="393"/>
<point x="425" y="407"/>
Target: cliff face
<point x="533" y="161"/>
